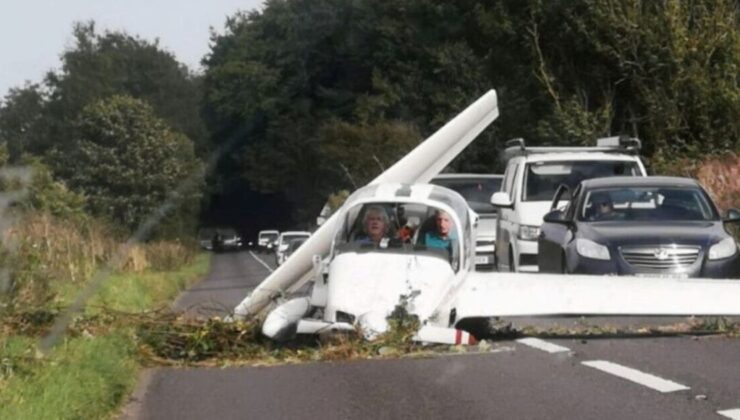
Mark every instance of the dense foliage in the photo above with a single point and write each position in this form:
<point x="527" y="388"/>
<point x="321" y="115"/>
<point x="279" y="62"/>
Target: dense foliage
<point x="308" y="97"/>
<point x="128" y="164"/>
<point x="309" y="88"/>
<point x="119" y="125"/>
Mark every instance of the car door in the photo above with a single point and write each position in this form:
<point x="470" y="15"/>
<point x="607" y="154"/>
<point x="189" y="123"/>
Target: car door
<point x="555" y="237"/>
<point x="505" y="229"/>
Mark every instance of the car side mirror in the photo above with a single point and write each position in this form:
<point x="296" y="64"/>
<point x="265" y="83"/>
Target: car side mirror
<point x="733" y="216"/>
<point x="501" y="200"/>
<point x="557" y="216"/>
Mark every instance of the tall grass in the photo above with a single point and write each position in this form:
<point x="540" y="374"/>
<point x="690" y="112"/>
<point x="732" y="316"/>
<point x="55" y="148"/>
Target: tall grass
<point x="720" y="176"/>
<point x="52" y="253"/>
<point x="52" y="257"/>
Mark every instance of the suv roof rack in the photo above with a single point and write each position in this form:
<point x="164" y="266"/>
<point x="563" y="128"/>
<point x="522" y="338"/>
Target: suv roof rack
<point x="617" y="144"/>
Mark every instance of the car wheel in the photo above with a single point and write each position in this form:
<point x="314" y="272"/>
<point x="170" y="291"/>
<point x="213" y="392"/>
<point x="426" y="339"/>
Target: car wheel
<point x="563" y="264"/>
<point x="512" y="268"/>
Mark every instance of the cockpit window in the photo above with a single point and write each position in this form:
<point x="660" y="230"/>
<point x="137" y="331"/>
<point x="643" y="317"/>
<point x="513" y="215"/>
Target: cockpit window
<point x="400" y="228"/>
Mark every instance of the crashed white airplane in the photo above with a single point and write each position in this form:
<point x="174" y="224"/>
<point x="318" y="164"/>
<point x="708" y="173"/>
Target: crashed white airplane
<point x="356" y="284"/>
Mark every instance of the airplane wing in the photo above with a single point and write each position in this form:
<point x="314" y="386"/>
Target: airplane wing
<point x="507" y="295"/>
<point x="418" y="166"/>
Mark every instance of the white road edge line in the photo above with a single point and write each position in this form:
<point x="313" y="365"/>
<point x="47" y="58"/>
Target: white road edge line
<point x="259" y="260"/>
<point x="634" y="375"/>
<point x="733" y="414"/>
<point x="542" y="345"/>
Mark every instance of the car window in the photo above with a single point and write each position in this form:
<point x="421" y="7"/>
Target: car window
<point x="647" y="203"/>
<point x="509" y="178"/>
<point x="476" y="191"/>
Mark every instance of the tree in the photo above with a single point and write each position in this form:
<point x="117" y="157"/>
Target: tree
<point x="129" y="164"/>
<point x="361" y="152"/>
<point x="116" y="63"/>
<point x="664" y="71"/>
<point x="21" y="119"/>
<point x="284" y="83"/>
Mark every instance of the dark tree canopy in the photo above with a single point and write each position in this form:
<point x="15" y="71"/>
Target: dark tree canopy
<point x="21" y="119"/>
<point x="305" y="98"/>
<point x="115" y="63"/>
<point x="127" y="163"/>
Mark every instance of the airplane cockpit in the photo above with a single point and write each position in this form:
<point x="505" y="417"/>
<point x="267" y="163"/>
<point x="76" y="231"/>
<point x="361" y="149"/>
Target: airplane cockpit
<point x="412" y="219"/>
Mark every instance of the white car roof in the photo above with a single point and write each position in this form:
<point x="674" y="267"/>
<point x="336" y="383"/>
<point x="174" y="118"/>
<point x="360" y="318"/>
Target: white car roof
<point x="467" y="176"/>
<point x="570" y="156"/>
<point x="296" y="233"/>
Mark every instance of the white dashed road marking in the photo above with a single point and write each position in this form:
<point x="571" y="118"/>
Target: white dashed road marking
<point x="733" y="414"/>
<point x="634" y="375"/>
<point x="542" y="345"/>
<point x="259" y="260"/>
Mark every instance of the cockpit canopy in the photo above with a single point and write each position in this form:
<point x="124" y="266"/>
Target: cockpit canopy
<point x="416" y="219"/>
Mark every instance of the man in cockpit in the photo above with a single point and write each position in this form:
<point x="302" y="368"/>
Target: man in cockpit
<point x="375" y="224"/>
<point x="443" y="236"/>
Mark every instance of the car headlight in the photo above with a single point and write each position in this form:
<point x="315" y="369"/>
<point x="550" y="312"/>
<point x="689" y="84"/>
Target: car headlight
<point x="591" y="249"/>
<point x="283" y="247"/>
<point x="528" y="233"/>
<point x="723" y="249"/>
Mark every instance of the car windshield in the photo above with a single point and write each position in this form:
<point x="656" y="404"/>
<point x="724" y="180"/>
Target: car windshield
<point x="544" y="178"/>
<point x="288" y="238"/>
<point x="476" y="191"/>
<point x="269" y="236"/>
<point x="647" y="203"/>
<point x="295" y="243"/>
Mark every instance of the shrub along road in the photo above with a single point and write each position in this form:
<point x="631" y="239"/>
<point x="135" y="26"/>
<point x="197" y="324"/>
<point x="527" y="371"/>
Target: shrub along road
<point x="676" y="378"/>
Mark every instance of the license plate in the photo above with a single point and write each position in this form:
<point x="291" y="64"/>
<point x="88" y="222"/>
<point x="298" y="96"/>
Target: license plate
<point x="482" y="259"/>
<point x="663" y="275"/>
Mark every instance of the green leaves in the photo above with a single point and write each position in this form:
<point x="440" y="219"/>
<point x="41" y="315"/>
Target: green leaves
<point x="127" y="162"/>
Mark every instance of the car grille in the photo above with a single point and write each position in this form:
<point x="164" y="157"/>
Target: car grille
<point x="661" y="258"/>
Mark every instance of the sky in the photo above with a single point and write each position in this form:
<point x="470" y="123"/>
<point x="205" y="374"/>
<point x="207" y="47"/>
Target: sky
<point x="34" y="33"/>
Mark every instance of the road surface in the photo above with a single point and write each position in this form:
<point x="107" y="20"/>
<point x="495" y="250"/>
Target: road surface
<point x="635" y="378"/>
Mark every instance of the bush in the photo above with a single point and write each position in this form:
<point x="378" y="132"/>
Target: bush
<point x="721" y="177"/>
<point x="10" y="183"/>
<point x="47" y="195"/>
<point x="130" y="165"/>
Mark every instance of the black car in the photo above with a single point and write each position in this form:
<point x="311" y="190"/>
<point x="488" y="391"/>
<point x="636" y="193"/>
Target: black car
<point x="639" y="225"/>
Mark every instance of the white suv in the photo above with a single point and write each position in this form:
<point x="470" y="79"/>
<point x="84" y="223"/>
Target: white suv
<point x="266" y="240"/>
<point x="532" y="176"/>
<point x="284" y="241"/>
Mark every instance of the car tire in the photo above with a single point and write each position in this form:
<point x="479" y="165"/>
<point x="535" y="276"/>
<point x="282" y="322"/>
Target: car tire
<point x="563" y="264"/>
<point x="512" y="268"/>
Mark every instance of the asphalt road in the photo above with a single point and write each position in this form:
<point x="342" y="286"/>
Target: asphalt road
<point x="656" y="378"/>
<point x="232" y="276"/>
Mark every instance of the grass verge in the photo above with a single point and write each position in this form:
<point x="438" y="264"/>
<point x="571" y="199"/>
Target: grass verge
<point x="89" y="374"/>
